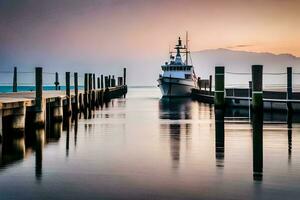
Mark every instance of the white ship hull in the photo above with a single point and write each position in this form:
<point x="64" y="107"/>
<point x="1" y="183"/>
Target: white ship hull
<point x="174" y="87"/>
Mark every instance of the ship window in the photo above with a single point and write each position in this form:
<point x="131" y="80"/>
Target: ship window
<point x="187" y="76"/>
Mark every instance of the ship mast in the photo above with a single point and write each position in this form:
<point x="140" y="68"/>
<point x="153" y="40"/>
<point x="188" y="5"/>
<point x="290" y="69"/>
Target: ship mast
<point x="186" y="48"/>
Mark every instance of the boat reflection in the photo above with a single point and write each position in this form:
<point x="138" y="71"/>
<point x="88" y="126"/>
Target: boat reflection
<point x="175" y="109"/>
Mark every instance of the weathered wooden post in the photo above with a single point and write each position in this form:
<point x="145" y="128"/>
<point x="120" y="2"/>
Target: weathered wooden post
<point x="15" y="82"/>
<point x="76" y="92"/>
<point x="94" y="81"/>
<point x="56" y="83"/>
<point x="124" y="75"/>
<point x="13" y="120"/>
<point x="57" y="110"/>
<point x="106" y="82"/>
<point x="210" y="84"/>
<point x="94" y="92"/>
<point x="219" y="87"/>
<point x="39" y="119"/>
<point x="289" y="88"/>
<point x="90" y="82"/>
<point x="98" y="82"/>
<point x="257" y="89"/>
<point x="68" y="95"/>
<point x="90" y="94"/>
<point x="109" y="81"/>
<point x="120" y="81"/>
<point x="250" y="89"/>
<point x="85" y="96"/>
<point x="102" y="84"/>
<point x="113" y="81"/>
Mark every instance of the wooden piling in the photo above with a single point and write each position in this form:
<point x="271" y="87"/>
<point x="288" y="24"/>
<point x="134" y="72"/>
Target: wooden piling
<point x="210" y="84"/>
<point x="38" y="111"/>
<point x="106" y="81"/>
<point x="124" y="75"/>
<point x="113" y="81"/>
<point x="219" y="87"/>
<point x="102" y="84"/>
<point x="109" y="81"/>
<point x="98" y="82"/>
<point x="15" y="80"/>
<point x="85" y="95"/>
<point x="68" y="95"/>
<point x="289" y="91"/>
<point x="13" y="120"/>
<point x="76" y="92"/>
<point x="257" y="89"/>
<point x="90" y="82"/>
<point x="120" y="81"/>
<point x="94" y="81"/>
<point x="56" y="83"/>
<point x="57" y="110"/>
<point x="90" y="99"/>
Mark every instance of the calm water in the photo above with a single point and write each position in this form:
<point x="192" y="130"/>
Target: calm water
<point x="142" y="147"/>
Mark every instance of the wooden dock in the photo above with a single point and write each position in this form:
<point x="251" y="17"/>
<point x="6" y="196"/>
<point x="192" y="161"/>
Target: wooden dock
<point x="20" y="110"/>
<point x="242" y="97"/>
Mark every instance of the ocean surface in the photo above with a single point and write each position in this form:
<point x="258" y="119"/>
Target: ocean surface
<point x="144" y="147"/>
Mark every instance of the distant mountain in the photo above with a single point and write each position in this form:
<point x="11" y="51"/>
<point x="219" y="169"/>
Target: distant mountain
<point x="241" y="61"/>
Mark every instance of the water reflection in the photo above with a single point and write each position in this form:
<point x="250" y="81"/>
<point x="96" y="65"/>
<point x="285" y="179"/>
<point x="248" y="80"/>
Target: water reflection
<point x="257" y="126"/>
<point x="66" y="127"/>
<point x="290" y="128"/>
<point x="13" y="149"/>
<point x="54" y="132"/>
<point x="219" y="137"/>
<point x="39" y="145"/>
<point x="175" y="109"/>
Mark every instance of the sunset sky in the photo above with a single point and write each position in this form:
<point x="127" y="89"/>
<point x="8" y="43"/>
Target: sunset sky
<point x="107" y="34"/>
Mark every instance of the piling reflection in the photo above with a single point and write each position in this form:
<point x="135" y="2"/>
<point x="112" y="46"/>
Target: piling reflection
<point x="257" y="131"/>
<point x="13" y="150"/>
<point x="54" y="132"/>
<point x="66" y="127"/>
<point x="290" y="128"/>
<point x="75" y="129"/>
<point x="39" y="145"/>
<point x="219" y="137"/>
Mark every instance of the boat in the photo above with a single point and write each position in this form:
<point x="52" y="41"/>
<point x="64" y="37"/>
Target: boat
<point x="178" y="77"/>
